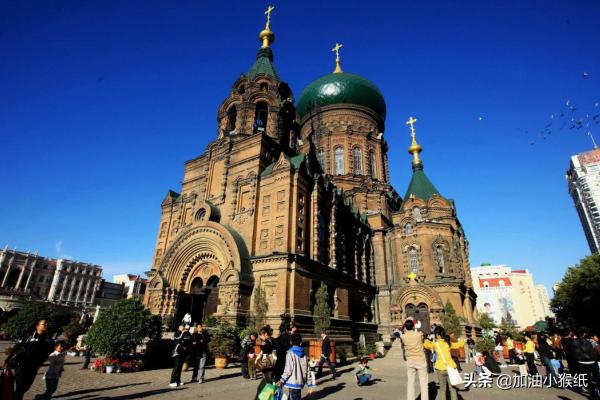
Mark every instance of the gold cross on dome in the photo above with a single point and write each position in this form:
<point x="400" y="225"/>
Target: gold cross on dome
<point x="412" y="276"/>
<point x="336" y="49"/>
<point x="411" y="121"/>
<point x="268" y="14"/>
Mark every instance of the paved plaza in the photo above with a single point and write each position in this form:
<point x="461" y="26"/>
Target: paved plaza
<point x="389" y="384"/>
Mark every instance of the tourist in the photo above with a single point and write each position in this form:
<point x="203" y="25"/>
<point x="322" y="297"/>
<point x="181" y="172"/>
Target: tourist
<point x="490" y="365"/>
<point x="363" y="372"/>
<point x="28" y="356"/>
<point x="559" y="353"/>
<point x="521" y="362"/>
<point x="312" y="375"/>
<point x="455" y="353"/>
<point x="530" y="355"/>
<point x="510" y="345"/>
<point x="265" y="360"/>
<point x="471" y="349"/>
<point x="187" y="320"/>
<point x="56" y="365"/>
<point x="585" y="357"/>
<point x="325" y="354"/>
<point x="200" y="340"/>
<point x="568" y="345"/>
<point x="499" y="349"/>
<point x="441" y="347"/>
<point x="416" y="362"/>
<point x="247" y="356"/>
<point x="479" y="360"/>
<point x="282" y="344"/>
<point x="295" y="373"/>
<point x="183" y="341"/>
<point x="546" y="355"/>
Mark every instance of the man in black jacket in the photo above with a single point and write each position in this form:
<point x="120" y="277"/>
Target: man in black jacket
<point x="183" y="341"/>
<point x="29" y="356"/>
<point x="583" y="350"/>
<point x="200" y="341"/>
<point x="325" y="354"/>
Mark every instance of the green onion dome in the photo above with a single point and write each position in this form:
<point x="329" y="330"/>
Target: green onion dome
<point x="340" y="88"/>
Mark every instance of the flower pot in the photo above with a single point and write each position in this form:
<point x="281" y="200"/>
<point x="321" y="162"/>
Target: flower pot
<point x="221" y="362"/>
<point x="109" y="369"/>
<point x="372" y="356"/>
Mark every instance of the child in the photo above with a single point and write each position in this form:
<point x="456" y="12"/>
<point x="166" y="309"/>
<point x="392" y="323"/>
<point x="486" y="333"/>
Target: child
<point x="363" y="372"/>
<point x="478" y="363"/>
<point x="295" y="374"/>
<point x="312" y="375"/>
<point x="56" y="366"/>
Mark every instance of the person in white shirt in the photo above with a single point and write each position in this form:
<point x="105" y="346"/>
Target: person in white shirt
<point x="56" y="365"/>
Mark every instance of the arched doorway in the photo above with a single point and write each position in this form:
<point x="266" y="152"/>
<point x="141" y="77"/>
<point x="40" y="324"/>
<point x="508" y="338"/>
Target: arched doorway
<point x="420" y="313"/>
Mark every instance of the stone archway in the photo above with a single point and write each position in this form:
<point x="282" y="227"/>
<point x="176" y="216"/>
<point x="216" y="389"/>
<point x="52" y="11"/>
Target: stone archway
<point x="419" y="301"/>
<point x="216" y="255"/>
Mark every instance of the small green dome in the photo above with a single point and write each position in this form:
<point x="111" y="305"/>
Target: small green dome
<point x="339" y="88"/>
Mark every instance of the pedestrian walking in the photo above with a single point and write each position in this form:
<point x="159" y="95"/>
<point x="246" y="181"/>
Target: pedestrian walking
<point x="546" y="356"/>
<point x="416" y="362"/>
<point x="586" y="363"/>
<point x="265" y="360"/>
<point x="56" y="365"/>
<point x="510" y="345"/>
<point x="183" y="341"/>
<point x="200" y="340"/>
<point x="247" y="356"/>
<point x="499" y="349"/>
<point x="470" y="349"/>
<point x="28" y="356"/>
<point x="490" y="365"/>
<point x="530" y="355"/>
<point x="325" y="355"/>
<point x="363" y="372"/>
<point x="295" y="374"/>
<point x="441" y="347"/>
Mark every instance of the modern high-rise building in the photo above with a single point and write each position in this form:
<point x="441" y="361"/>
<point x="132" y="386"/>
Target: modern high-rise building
<point x="502" y="291"/>
<point x="583" y="177"/>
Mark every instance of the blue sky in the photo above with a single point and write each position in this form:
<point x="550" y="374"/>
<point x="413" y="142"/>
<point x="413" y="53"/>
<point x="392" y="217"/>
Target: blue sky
<point x="102" y="101"/>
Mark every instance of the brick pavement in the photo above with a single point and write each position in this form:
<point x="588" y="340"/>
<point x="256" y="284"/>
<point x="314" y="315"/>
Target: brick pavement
<point x="389" y="374"/>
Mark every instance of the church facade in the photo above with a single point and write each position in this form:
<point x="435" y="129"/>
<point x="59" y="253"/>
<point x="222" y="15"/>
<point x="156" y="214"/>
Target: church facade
<point x="295" y="193"/>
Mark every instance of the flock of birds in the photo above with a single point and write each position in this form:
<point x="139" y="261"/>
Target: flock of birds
<point x="569" y="118"/>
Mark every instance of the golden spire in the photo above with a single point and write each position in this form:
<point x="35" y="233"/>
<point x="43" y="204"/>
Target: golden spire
<point x="266" y="36"/>
<point x="414" y="148"/>
<point x="336" y="49"/>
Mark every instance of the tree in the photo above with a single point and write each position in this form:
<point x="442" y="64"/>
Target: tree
<point x="451" y="321"/>
<point x="121" y="328"/>
<point x="507" y="327"/>
<point x="322" y="312"/>
<point x="72" y="330"/>
<point x="258" y="317"/>
<point x="578" y="295"/>
<point x="486" y="322"/>
<point x="24" y="321"/>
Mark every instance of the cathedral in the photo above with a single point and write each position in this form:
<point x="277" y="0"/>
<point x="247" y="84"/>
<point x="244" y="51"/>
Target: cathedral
<point x="295" y="192"/>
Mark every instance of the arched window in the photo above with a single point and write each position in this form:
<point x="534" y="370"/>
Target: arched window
<point x="413" y="261"/>
<point x="321" y="159"/>
<point x="408" y="228"/>
<point x="416" y="214"/>
<point x="357" y="161"/>
<point x="339" y="161"/>
<point x="372" y="166"/>
<point x="439" y="257"/>
<point x="261" y="117"/>
<point x="231" y="118"/>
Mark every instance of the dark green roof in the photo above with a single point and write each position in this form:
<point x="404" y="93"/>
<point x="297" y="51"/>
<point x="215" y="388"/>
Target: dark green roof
<point x="341" y="88"/>
<point x="420" y="186"/>
<point x="295" y="161"/>
<point x="263" y="65"/>
<point x="173" y="195"/>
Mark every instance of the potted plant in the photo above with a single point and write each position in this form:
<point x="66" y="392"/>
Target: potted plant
<point x="223" y="343"/>
<point x="372" y="350"/>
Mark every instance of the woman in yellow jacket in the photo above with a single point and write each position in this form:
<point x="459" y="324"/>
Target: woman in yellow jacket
<point x="442" y="347"/>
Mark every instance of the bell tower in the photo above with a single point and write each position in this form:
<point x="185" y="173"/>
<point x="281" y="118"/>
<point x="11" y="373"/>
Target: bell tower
<point x="259" y="102"/>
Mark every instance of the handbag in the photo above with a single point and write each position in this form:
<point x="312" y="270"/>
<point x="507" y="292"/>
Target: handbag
<point x="453" y="374"/>
<point x="7" y="384"/>
<point x="265" y="361"/>
<point x="268" y="392"/>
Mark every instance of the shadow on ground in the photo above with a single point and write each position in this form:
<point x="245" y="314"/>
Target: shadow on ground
<point x="100" y="389"/>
